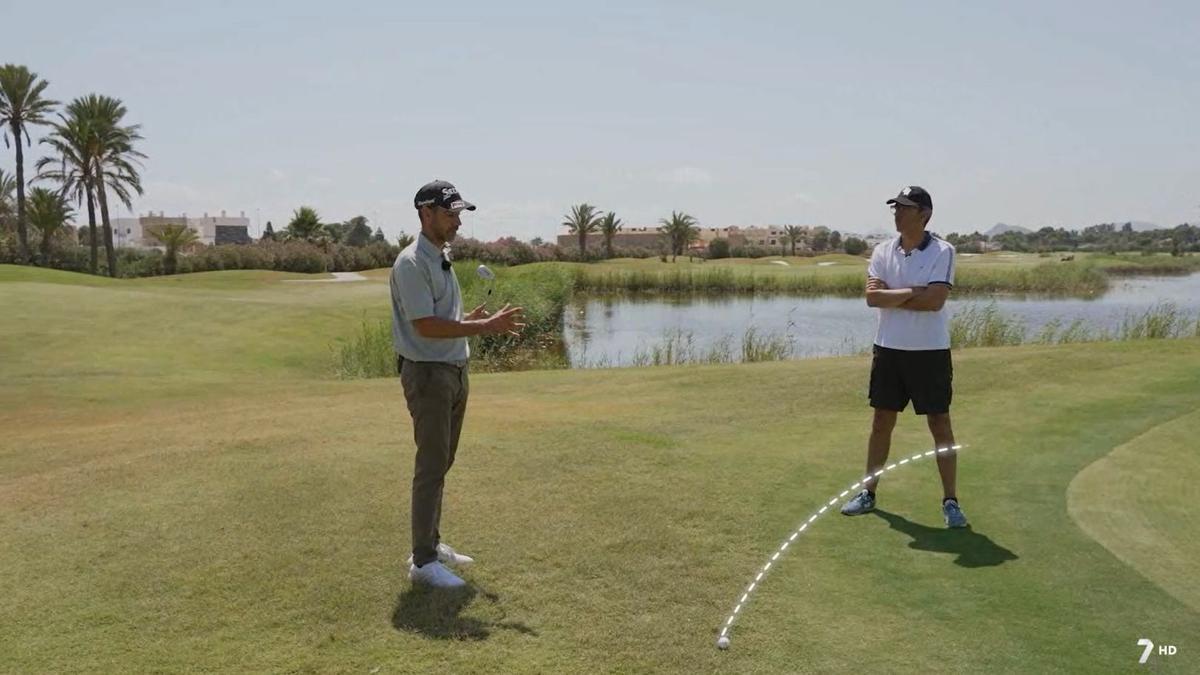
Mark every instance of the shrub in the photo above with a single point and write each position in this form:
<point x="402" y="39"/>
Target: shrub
<point x="750" y="251"/>
<point x="541" y="291"/>
<point x="855" y="246"/>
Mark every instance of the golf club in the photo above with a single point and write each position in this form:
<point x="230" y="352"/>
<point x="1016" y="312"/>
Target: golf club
<point x="487" y="275"/>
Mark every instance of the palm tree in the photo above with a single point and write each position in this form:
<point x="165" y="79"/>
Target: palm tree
<point x="115" y="160"/>
<point x="794" y="234"/>
<point x="680" y="230"/>
<point x="72" y="169"/>
<point x="174" y="237"/>
<point x="358" y="232"/>
<point x="582" y="220"/>
<point x="48" y="213"/>
<point x="306" y="224"/>
<point x="334" y="232"/>
<point x="22" y="105"/>
<point x="610" y="225"/>
<point x="8" y="192"/>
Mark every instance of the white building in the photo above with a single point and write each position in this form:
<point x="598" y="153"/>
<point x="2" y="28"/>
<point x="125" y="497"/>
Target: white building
<point x="220" y="229"/>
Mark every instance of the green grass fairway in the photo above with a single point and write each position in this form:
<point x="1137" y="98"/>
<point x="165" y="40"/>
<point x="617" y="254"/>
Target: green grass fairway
<point x="1133" y="500"/>
<point x="185" y="487"/>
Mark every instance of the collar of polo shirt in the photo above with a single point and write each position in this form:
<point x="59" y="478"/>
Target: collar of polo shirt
<point x="924" y="242"/>
<point x="429" y="250"/>
<point x="920" y="247"/>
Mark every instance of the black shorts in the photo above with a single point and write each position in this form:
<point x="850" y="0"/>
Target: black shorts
<point x="924" y="377"/>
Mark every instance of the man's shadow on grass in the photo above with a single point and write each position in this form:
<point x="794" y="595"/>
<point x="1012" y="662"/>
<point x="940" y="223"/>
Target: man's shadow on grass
<point x="437" y="613"/>
<point x="973" y="549"/>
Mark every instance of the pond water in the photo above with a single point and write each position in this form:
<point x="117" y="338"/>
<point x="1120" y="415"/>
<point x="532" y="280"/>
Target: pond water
<point x="614" y="331"/>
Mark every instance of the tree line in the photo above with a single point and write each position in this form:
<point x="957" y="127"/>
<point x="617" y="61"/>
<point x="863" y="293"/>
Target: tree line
<point x="1105" y="237"/>
<point x="680" y="230"/>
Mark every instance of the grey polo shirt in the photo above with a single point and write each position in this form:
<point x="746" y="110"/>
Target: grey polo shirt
<point x="421" y="288"/>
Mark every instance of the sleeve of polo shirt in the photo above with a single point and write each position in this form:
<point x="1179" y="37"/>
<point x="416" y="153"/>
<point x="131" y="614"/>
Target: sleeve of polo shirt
<point x="874" y="268"/>
<point x="416" y="295"/>
<point x="943" y="268"/>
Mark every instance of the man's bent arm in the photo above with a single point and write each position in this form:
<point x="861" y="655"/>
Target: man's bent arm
<point x="932" y="299"/>
<point x="889" y="297"/>
<point x="437" y="327"/>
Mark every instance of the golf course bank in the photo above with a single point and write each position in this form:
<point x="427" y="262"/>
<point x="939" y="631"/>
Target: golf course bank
<point x="646" y="312"/>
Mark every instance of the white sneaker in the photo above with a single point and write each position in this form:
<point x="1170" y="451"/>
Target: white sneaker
<point x="863" y="502"/>
<point x="449" y="556"/>
<point x="435" y="575"/>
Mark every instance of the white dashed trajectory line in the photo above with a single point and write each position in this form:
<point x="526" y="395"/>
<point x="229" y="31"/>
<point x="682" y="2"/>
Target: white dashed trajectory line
<point x="723" y="638"/>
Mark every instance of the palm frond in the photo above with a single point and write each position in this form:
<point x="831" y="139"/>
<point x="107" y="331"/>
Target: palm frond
<point x="21" y="99"/>
<point x="47" y="210"/>
<point x="583" y="218"/>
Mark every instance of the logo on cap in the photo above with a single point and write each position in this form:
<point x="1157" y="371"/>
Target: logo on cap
<point x="443" y="194"/>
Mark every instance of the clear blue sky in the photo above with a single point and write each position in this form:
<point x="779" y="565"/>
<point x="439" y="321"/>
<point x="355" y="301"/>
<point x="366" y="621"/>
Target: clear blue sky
<point x="1029" y="113"/>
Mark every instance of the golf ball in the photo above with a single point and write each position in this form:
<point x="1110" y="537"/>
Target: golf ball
<point x="723" y="642"/>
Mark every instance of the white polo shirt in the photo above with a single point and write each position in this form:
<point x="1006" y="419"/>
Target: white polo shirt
<point x="932" y="262"/>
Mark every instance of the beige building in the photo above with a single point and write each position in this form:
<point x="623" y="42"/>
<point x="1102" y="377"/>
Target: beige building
<point x="764" y="236"/>
<point x="627" y="237"/>
<point x="755" y="235"/>
<point x="213" y="230"/>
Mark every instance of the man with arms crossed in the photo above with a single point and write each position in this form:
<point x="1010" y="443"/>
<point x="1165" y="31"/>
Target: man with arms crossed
<point x="909" y="279"/>
<point x="430" y="335"/>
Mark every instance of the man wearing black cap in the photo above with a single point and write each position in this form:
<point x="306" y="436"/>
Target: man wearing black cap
<point x="430" y="335"/>
<point x="909" y="279"/>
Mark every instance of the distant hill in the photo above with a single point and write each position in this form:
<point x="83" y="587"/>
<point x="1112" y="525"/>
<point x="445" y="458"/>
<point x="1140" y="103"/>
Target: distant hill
<point x="1001" y="228"/>
<point x="1138" y="226"/>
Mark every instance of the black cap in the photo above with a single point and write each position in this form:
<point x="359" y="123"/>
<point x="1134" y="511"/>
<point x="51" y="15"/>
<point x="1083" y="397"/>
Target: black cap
<point x="913" y="195"/>
<point x="443" y="194"/>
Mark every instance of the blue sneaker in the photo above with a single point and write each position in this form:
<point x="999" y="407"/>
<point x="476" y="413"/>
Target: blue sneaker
<point x="859" y="504"/>
<point x="954" y="514"/>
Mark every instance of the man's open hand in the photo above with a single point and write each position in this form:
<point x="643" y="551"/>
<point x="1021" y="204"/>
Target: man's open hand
<point x="508" y="320"/>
